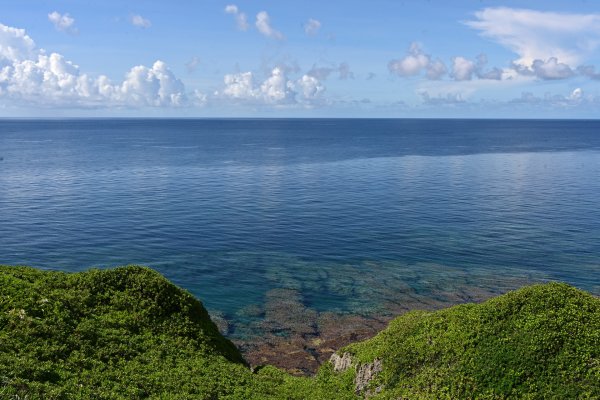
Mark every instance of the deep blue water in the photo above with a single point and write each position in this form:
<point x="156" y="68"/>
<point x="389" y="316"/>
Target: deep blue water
<point x="353" y="214"/>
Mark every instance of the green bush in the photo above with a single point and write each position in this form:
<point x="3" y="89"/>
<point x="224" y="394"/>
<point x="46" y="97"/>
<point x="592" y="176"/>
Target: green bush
<point x="128" y="333"/>
<point x="540" y="342"/>
<point x="122" y="333"/>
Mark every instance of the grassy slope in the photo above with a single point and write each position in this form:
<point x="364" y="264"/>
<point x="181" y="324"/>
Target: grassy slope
<point x="129" y="333"/>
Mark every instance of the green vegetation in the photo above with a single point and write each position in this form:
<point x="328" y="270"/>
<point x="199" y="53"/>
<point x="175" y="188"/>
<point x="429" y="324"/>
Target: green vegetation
<point x="129" y="333"/>
<point x="540" y="342"/>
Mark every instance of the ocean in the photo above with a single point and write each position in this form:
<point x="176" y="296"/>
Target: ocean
<point x="281" y="227"/>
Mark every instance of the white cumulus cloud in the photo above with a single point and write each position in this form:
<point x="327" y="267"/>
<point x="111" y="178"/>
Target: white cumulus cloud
<point x="411" y="64"/>
<point x="62" y="22"/>
<point x="417" y="61"/>
<point x="240" y="18"/>
<point x="494" y="73"/>
<point x="15" y="45"/>
<point x="263" y="24"/>
<point x="436" y="69"/>
<point x="240" y="86"/>
<point x="312" y="26"/>
<point x="462" y="69"/>
<point x="154" y="86"/>
<point x="231" y="9"/>
<point x="576" y="94"/>
<point x="551" y="69"/>
<point x="140" y="22"/>
<point x="310" y="87"/>
<point x="277" y="89"/>
<point x="29" y="76"/>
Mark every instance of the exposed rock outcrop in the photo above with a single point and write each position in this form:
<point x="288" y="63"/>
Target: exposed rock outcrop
<point x="340" y="364"/>
<point x="365" y="374"/>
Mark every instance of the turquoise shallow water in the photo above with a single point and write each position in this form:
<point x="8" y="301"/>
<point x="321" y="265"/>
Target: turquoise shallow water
<point x="355" y="216"/>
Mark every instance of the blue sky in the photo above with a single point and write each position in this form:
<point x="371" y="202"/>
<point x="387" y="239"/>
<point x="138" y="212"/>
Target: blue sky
<point x="381" y="58"/>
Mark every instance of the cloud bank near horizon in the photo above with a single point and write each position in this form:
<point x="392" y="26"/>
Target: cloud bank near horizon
<point x="28" y="75"/>
<point x="547" y="47"/>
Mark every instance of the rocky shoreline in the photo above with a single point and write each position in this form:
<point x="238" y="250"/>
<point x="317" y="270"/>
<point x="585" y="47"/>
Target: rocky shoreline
<point x="299" y="339"/>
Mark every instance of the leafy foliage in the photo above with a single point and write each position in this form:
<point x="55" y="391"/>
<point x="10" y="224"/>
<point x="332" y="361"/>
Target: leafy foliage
<point x="538" y="342"/>
<point x="128" y="333"/>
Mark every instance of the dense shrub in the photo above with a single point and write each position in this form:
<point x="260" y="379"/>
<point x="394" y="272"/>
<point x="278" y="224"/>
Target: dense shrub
<point x="541" y="342"/>
<point x="129" y="333"/>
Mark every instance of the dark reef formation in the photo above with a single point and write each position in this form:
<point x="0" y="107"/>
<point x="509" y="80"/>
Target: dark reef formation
<point x="291" y="332"/>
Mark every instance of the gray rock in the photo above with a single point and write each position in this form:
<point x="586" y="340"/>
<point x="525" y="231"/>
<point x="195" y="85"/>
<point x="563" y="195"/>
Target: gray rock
<point x="365" y="374"/>
<point x="340" y="364"/>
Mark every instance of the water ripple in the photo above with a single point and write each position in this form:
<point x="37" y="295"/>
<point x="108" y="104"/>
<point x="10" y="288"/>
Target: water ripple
<point x="232" y="210"/>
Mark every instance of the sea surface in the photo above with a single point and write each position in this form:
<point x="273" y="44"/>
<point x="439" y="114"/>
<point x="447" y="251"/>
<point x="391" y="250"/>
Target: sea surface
<point x="345" y="216"/>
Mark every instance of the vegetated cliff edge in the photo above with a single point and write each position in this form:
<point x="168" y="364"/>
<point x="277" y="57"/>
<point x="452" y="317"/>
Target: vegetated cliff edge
<point x="129" y="333"/>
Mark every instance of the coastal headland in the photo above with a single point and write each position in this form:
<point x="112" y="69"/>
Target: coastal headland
<point x="130" y="333"/>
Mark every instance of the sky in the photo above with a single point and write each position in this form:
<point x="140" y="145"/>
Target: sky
<point x="378" y="58"/>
